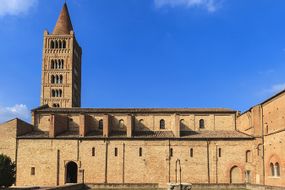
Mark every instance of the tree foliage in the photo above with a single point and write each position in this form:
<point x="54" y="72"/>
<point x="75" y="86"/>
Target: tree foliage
<point x="7" y="171"/>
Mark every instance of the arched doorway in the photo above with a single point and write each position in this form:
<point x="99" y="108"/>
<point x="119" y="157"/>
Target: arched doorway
<point x="71" y="172"/>
<point x="236" y="176"/>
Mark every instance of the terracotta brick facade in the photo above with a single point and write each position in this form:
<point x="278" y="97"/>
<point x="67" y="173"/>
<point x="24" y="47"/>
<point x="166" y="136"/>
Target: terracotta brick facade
<point x="66" y="143"/>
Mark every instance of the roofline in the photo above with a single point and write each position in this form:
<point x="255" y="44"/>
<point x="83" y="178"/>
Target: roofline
<point x="14" y="119"/>
<point x="265" y="101"/>
<point x="137" y="138"/>
<point x="272" y="97"/>
<point x="45" y="109"/>
<point x="40" y="107"/>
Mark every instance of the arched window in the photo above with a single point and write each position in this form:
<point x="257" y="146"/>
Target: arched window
<point x="58" y="63"/>
<point x="121" y="123"/>
<point x="191" y="152"/>
<point x="56" y="44"/>
<point x="64" y="44"/>
<point x="52" y="44"/>
<point x="201" y="124"/>
<point x="277" y="169"/>
<point x="61" y="63"/>
<point x="272" y="170"/>
<point x="60" y="79"/>
<point x="52" y="79"/>
<point x="56" y="79"/>
<point x="52" y="64"/>
<point x="59" y="44"/>
<point x="101" y="124"/>
<point x="60" y="93"/>
<point x="162" y="124"/>
<point x="52" y="93"/>
<point x="248" y="156"/>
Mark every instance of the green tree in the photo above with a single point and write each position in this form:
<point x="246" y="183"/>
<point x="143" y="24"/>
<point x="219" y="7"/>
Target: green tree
<point x="7" y="171"/>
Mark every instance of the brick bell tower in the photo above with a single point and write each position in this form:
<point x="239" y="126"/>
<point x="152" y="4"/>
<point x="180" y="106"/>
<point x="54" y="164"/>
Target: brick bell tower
<point x="61" y="66"/>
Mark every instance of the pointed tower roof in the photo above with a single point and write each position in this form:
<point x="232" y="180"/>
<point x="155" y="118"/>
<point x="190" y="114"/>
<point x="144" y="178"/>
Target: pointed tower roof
<point x="63" y="25"/>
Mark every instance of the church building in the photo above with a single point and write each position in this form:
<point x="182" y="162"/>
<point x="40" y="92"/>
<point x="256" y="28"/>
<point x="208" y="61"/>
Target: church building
<point x="65" y="143"/>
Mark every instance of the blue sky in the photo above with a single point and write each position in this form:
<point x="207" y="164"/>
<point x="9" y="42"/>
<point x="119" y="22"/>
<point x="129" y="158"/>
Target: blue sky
<point x="149" y="53"/>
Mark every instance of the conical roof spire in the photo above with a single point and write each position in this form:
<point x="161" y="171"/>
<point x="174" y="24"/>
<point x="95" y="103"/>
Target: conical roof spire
<point x="63" y="25"/>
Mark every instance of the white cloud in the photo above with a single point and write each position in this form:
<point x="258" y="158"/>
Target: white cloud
<point x="19" y="110"/>
<point x="16" y="7"/>
<point x="209" y="5"/>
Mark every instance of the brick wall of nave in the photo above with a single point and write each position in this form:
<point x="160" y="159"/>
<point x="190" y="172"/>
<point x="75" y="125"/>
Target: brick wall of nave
<point x="145" y="122"/>
<point x="274" y="139"/>
<point x="8" y="138"/>
<point x="8" y="134"/>
<point x="274" y="145"/>
<point x="267" y="120"/>
<point x="49" y="158"/>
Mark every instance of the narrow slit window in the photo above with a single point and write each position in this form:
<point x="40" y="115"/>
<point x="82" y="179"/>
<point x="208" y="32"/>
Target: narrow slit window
<point x="171" y="152"/>
<point x="191" y="152"/>
<point x="93" y="152"/>
<point x="116" y="152"/>
<point x="140" y="152"/>
<point x="220" y="152"/>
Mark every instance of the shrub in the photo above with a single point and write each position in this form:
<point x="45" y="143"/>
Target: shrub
<point x="7" y="171"/>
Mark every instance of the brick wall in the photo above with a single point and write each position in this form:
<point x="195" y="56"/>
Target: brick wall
<point x="153" y="166"/>
<point x="58" y="125"/>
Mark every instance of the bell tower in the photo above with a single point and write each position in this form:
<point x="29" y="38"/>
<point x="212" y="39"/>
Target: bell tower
<point x="61" y="65"/>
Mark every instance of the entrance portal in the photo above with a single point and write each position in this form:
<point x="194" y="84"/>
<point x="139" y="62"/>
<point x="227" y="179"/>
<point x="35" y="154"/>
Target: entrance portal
<point x="235" y="175"/>
<point x="71" y="172"/>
